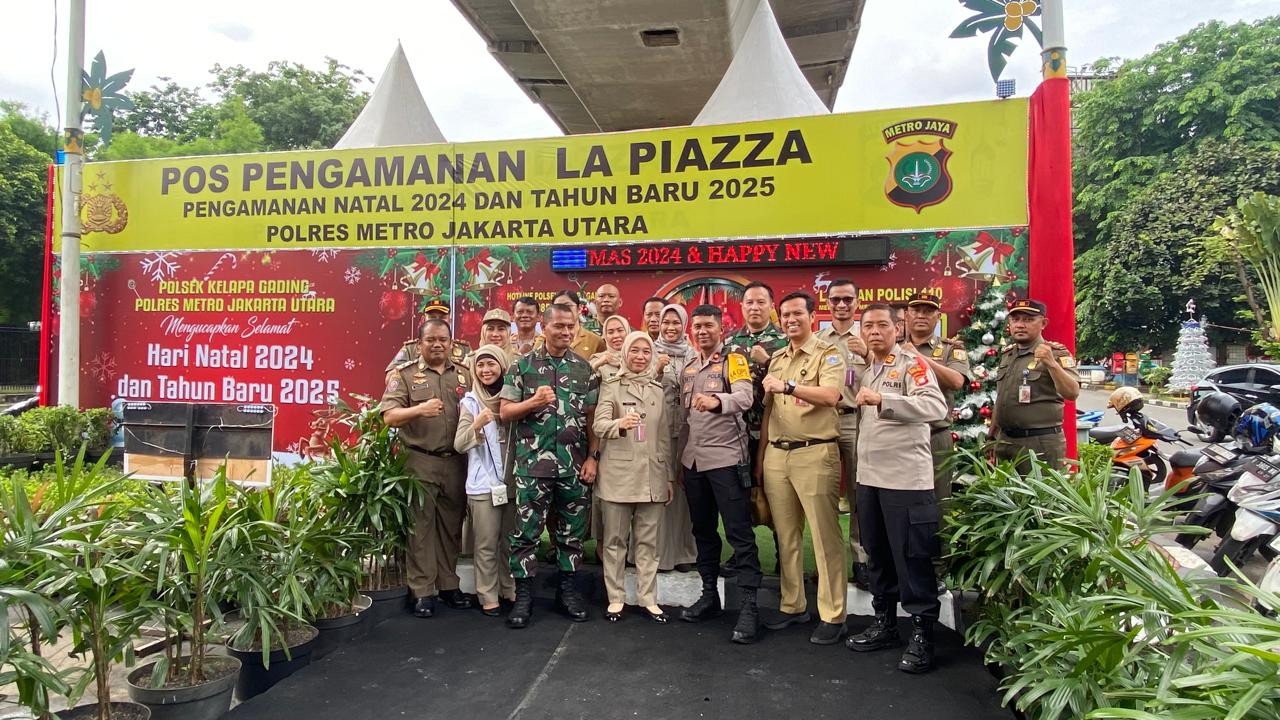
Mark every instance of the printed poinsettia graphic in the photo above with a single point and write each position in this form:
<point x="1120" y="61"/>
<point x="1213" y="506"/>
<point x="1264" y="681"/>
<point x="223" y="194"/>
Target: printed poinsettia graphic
<point x="102" y="96"/>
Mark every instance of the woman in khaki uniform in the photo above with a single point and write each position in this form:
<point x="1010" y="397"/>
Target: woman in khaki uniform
<point x="606" y="363"/>
<point x="490" y="484"/>
<point x="633" y="421"/>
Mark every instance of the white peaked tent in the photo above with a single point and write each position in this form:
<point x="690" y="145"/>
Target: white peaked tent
<point x="763" y="82"/>
<point x="396" y="114"/>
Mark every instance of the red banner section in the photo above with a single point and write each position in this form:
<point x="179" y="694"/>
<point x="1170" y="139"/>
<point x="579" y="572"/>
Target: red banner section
<point x="295" y="329"/>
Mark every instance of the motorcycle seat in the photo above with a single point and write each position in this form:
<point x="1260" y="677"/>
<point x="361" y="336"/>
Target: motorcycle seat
<point x="1105" y="433"/>
<point x="1185" y="458"/>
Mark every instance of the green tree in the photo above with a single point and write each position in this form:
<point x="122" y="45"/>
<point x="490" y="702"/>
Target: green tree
<point x="34" y="131"/>
<point x="169" y="111"/>
<point x="295" y="106"/>
<point x="1130" y="291"/>
<point x="232" y="132"/>
<point x="1217" y="81"/>
<point x="23" y="180"/>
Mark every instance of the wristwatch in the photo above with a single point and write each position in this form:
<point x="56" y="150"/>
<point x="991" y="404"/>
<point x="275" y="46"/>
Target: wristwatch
<point x="790" y="388"/>
<point x="596" y="456"/>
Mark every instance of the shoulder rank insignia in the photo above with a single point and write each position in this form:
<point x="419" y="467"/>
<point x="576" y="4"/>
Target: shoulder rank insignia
<point x="959" y="354"/>
<point x="1067" y="361"/>
<point x="404" y="365"/>
<point x="738" y="369"/>
<point x="938" y="351"/>
<point x="888" y="359"/>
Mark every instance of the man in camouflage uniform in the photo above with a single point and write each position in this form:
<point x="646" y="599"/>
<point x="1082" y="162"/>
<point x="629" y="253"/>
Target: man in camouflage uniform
<point x="458" y="352"/>
<point x="549" y="397"/>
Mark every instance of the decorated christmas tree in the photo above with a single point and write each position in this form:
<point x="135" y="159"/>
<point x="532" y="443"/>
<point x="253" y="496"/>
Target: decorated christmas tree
<point x="983" y="337"/>
<point x="1192" y="360"/>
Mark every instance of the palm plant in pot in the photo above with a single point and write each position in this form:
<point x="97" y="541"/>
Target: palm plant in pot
<point x="193" y="530"/>
<point x="366" y="487"/>
<point x="36" y="679"/>
<point x="102" y="584"/>
<point x="273" y="639"/>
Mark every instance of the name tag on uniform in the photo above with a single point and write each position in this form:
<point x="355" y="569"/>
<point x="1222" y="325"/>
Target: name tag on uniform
<point x="799" y="402"/>
<point x="499" y="495"/>
<point x="851" y="377"/>
<point x="1024" y="393"/>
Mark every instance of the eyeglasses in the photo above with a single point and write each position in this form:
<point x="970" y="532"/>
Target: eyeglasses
<point x="841" y="300"/>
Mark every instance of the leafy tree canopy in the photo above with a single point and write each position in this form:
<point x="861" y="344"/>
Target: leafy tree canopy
<point x="23" y="180"/>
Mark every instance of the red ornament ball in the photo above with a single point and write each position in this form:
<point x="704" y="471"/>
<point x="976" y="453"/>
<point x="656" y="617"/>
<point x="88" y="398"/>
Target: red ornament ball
<point x="88" y="303"/>
<point x="955" y="437"/>
<point x="470" y="325"/>
<point x="985" y="411"/>
<point x="975" y="386"/>
<point x="991" y="352"/>
<point x="393" y="305"/>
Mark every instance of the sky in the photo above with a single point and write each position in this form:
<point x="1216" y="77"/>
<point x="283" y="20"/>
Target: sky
<point x="903" y="55"/>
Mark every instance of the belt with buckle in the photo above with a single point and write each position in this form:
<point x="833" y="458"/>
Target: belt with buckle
<point x="847" y="411"/>
<point x="433" y="453"/>
<point x="936" y="430"/>
<point x="1020" y="433"/>
<point x="797" y="444"/>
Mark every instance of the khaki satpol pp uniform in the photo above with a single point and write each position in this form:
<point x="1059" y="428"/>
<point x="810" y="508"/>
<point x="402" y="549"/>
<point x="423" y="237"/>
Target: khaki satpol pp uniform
<point x="848" y="412"/>
<point x="802" y="477"/>
<point x="1030" y="418"/>
<point x="437" y="533"/>
<point x="897" y="506"/>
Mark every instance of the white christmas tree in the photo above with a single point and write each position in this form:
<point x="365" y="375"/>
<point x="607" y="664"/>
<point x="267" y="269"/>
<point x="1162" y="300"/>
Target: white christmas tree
<point x="1192" y="360"/>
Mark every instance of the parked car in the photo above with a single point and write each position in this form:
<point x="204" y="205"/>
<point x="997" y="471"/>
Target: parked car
<point x="1251" y="384"/>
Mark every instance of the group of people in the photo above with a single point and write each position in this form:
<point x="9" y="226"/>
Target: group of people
<point x="650" y="439"/>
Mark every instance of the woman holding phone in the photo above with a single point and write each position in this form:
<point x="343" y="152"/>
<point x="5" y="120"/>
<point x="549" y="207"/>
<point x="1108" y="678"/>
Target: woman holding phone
<point x="633" y="421"/>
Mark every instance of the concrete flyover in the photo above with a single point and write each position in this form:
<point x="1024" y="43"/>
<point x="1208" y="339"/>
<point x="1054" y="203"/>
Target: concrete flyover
<point x="609" y="65"/>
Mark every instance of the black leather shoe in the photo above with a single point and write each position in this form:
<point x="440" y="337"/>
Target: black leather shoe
<point x="492" y="612"/>
<point x="613" y="617"/>
<point x="827" y="633"/>
<point x="522" y="608"/>
<point x="882" y="634"/>
<point x="860" y="578"/>
<point x="785" y="620"/>
<point x="660" y="617"/>
<point x="707" y="605"/>
<point x="455" y="599"/>
<point x="686" y="567"/>
<point x="569" y="600"/>
<point x="918" y="657"/>
<point x="425" y="607"/>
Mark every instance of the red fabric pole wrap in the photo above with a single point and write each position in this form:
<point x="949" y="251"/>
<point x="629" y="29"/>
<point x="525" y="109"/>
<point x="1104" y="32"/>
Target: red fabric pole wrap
<point x="1052" y="247"/>
<point x="46" y="295"/>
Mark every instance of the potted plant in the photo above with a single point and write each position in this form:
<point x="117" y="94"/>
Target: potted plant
<point x="273" y="639"/>
<point x="193" y="528"/>
<point x="366" y="487"/>
<point x="101" y="580"/>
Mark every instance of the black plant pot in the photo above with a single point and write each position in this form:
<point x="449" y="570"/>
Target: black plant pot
<point x="336" y="631"/>
<point x="387" y="603"/>
<point x="256" y="678"/>
<point x="209" y="700"/>
<point x="119" y="711"/>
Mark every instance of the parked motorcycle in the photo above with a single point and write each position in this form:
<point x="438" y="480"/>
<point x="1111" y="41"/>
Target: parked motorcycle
<point x="1256" y="496"/>
<point x="1135" y="443"/>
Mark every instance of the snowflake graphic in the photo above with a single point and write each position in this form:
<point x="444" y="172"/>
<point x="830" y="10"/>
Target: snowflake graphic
<point x="349" y="364"/>
<point x="159" y="265"/>
<point x="352" y="275"/>
<point x="103" y="366"/>
<point x="324" y="255"/>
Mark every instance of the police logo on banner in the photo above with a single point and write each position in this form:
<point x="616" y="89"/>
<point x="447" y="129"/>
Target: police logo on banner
<point x="918" y="175"/>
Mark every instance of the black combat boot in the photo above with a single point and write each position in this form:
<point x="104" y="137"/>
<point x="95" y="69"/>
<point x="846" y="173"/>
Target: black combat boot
<point x="569" y="600"/>
<point x="918" y="657"/>
<point x="748" y="627"/>
<point x="707" y="605"/>
<point x="522" y="608"/>
<point x="882" y="634"/>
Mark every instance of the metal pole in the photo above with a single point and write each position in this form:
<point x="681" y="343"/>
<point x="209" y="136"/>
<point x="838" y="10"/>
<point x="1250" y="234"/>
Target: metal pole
<point x="69" y="303"/>
<point x="1054" y="52"/>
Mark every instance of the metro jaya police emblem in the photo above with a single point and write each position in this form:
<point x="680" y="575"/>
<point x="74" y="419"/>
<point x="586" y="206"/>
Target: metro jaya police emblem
<point x="918" y="175"/>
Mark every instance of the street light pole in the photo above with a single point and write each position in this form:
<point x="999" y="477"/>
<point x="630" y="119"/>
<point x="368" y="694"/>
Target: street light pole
<point x="72" y="177"/>
<point x="1053" y="52"/>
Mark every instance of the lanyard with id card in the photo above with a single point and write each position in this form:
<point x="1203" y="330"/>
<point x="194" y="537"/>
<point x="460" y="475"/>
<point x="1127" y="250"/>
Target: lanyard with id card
<point x="1024" y="390"/>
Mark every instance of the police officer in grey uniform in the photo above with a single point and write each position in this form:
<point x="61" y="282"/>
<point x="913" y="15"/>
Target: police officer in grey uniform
<point x="715" y="389"/>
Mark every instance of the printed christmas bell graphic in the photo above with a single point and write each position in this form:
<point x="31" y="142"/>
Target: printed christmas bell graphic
<point x="984" y="259"/>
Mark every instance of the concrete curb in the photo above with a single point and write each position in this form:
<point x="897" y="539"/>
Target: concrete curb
<point x="1176" y="404"/>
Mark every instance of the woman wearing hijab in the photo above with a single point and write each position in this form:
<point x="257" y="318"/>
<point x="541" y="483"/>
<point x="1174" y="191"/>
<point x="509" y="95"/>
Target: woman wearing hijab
<point x="634" y="422"/>
<point x="490" y="494"/>
<point x="608" y="361"/>
<point x="676" y="547"/>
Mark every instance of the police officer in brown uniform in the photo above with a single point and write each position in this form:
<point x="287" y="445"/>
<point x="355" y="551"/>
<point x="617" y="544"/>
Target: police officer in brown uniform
<point x="898" y="397"/>
<point x="715" y="390"/>
<point x="421" y="401"/>
<point x="1033" y="381"/>
<point x="801" y="459"/>
<point x="950" y="364"/>
<point x="842" y="297"/>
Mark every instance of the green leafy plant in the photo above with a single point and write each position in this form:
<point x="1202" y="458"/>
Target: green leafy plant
<point x="366" y="487"/>
<point x="1085" y="614"/>
<point x="21" y="664"/>
<point x="1252" y="229"/>
<point x="1157" y="377"/>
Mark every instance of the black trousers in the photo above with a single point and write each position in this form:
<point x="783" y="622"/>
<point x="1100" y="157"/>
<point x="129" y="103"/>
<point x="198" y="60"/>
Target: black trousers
<point x="900" y="535"/>
<point x="716" y="494"/>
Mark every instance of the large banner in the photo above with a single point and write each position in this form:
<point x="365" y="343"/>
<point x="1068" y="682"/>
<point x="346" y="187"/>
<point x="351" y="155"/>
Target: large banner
<point x="926" y="168"/>
<point x="297" y="329"/>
